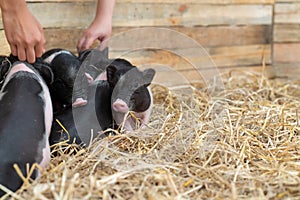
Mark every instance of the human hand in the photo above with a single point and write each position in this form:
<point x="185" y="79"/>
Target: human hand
<point x="24" y="33"/>
<point x="100" y="28"/>
<point x="97" y="30"/>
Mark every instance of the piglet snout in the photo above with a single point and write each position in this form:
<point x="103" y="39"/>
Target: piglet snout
<point x="120" y="106"/>
<point x="79" y="102"/>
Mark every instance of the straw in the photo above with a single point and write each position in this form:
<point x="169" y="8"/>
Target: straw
<point x="238" y="143"/>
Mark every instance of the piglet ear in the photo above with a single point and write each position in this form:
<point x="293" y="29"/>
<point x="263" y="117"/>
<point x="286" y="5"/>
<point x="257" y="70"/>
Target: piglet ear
<point x="89" y="78"/>
<point x="148" y="75"/>
<point x="111" y="75"/>
<point x="104" y="53"/>
<point x="44" y="70"/>
<point x="83" y="54"/>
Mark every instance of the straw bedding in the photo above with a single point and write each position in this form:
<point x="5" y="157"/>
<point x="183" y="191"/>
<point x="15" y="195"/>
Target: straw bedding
<point x="239" y="142"/>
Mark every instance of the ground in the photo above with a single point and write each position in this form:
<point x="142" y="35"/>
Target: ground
<point x="240" y="141"/>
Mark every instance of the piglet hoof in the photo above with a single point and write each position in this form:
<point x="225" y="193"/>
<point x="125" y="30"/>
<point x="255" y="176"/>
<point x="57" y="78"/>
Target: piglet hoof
<point x="79" y="102"/>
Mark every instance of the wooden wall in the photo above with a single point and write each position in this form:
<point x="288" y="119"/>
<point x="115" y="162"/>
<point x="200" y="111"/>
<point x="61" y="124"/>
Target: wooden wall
<point x="287" y="38"/>
<point x="235" y="33"/>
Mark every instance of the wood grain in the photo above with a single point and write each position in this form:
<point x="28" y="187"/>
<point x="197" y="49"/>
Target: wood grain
<point x="80" y="14"/>
<point x="231" y="34"/>
<point x="172" y="1"/>
<point x="146" y="14"/>
<point x="287" y="13"/>
<point x="286" y="33"/>
<point x="175" y="79"/>
<point x="289" y="71"/>
<point x="220" y="57"/>
<point x="207" y="37"/>
<point x="287" y="52"/>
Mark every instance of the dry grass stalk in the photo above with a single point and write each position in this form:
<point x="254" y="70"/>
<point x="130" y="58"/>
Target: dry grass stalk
<point x="239" y="143"/>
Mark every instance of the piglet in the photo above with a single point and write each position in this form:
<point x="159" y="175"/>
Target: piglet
<point x="95" y="63"/>
<point x="66" y="69"/>
<point x="131" y="93"/>
<point x="26" y="118"/>
<point x="96" y="115"/>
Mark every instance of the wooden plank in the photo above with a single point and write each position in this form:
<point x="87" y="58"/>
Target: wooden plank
<point x="62" y="38"/>
<point x="287" y="33"/>
<point x="60" y="1"/>
<point x="144" y="14"/>
<point x="286" y="52"/>
<point x="233" y="55"/>
<point x="173" y="79"/>
<point x="205" y="36"/>
<point x="58" y="15"/>
<point x="223" y="2"/>
<point x="289" y="71"/>
<point x="286" y="1"/>
<point x="55" y="38"/>
<point x="228" y="35"/>
<point x="211" y="36"/>
<point x="172" y="1"/>
<point x="168" y="38"/>
<point x="225" y="56"/>
<point x="241" y="55"/>
<point x="220" y="57"/>
<point x="266" y="70"/>
<point x="52" y="15"/>
<point x="287" y="13"/>
<point x="286" y="37"/>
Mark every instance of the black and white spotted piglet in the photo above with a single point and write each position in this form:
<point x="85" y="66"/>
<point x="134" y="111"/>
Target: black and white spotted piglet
<point x="68" y="79"/>
<point x="26" y="118"/>
<point x="131" y="86"/>
<point x="131" y="93"/>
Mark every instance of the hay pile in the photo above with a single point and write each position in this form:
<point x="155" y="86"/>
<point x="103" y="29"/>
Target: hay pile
<point x="239" y="143"/>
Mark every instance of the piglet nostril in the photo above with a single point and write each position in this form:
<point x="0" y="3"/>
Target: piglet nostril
<point x="120" y="106"/>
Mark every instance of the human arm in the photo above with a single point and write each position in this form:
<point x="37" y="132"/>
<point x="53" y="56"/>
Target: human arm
<point x="100" y="28"/>
<point x="23" y="32"/>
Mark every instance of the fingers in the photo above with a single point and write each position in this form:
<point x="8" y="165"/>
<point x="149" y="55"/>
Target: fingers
<point x="103" y="44"/>
<point x="39" y="50"/>
<point x="29" y="53"/>
<point x="21" y="54"/>
<point x="80" y="44"/>
<point x="88" y="42"/>
<point x="28" y="48"/>
<point x="13" y="49"/>
<point x="23" y="32"/>
<point x="85" y="43"/>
